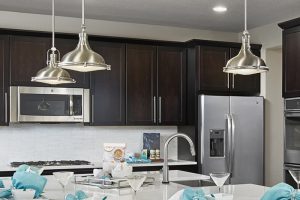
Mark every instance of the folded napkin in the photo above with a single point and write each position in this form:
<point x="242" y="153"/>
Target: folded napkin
<point x="281" y="191"/>
<point x="79" y="195"/>
<point x="193" y="194"/>
<point x="5" y="193"/>
<point x="28" y="179"/>
<point x="1" y="184"/>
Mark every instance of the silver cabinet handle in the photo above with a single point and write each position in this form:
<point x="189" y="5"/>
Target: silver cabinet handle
<point x="228" y="147"/>
<point x="159" y="105"/>
<point x="93" y="107"/>
<point x="71" y="106"/>
<point x="228" y="81"/>
<point x="233" y="80"/>
<point x="232" y="142"/>
<point x="5" y="108"/>
<point x="154" y="109"/>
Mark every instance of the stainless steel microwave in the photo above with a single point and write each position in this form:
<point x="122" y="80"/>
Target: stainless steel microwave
<point x="49" y="104"/>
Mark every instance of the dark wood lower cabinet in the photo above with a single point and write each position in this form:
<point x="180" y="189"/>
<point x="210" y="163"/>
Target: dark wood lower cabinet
<point x="141" y="85"/>
<point x="108" y="87"/>
<point x="171" y="82"/>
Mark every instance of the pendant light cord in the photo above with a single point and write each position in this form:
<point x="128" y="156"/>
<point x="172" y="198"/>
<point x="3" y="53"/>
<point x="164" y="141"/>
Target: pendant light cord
<point x="83" y="16"/>
<point x="53" y="27"/>
<point x="245" y="28"/>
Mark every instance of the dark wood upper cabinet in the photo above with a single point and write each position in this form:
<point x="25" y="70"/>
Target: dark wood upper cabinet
<point x="27" y="56"/>
<point x="141" y="84"/>
<point x="64" y="46"/>
<point x="171" y="84"/>
<point x="291" y="63"/>
<point x="108" y="87"/>
<point x="4" y="86"/>
<point x="244" y="84"/>
<point x="210" y="61"/>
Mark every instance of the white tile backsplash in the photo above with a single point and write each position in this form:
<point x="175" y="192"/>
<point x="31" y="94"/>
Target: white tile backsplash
<point x="25" y="142"/>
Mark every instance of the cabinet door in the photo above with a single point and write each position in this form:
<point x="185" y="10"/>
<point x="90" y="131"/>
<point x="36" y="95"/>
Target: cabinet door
<point x="210" y="62"/>
<point x="291" y="64"/>
<point x="27" y="56"/>
<point x="171" y="84"/>
<point x="141" y="85"/>
<point x="108" y="87"/>
<point x="244" y="84"/>
<point x="64" y="46"/>
<point x="4" y="60"/>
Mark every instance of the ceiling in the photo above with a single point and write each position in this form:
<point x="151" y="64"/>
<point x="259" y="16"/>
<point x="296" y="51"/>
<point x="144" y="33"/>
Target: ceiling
<point x="182" y="13"/>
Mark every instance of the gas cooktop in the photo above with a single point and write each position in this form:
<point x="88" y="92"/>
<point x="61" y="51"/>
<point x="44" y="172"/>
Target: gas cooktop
<point x="51" y="163"/>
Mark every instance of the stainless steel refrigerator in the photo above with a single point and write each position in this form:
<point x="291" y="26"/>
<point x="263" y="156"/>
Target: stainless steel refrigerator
<point x="231" y="132"/>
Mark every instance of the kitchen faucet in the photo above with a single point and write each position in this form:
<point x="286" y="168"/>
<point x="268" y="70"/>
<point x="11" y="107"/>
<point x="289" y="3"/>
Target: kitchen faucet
<point x="166" y="167"/>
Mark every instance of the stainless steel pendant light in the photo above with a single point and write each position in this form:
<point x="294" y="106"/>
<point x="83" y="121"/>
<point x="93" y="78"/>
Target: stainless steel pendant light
<point x="83" y="58"/>
<point x="52" y="74"/>
<point x="245" y="63"/>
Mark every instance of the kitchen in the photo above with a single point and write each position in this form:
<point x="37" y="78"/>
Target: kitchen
<point x="182" y="67"/>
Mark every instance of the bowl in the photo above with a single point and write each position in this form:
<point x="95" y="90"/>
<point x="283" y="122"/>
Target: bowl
<point x="20" y="194"/>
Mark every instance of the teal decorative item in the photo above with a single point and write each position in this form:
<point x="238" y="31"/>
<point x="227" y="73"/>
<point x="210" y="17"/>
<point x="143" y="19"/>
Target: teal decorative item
<point x="22" y="179"/>
<point x="193" y="194"/>
<point x="79" y="195"/>
<point x="1" y="184"/>
<point x="5" y="194"/>
<point x="281" y="191"/>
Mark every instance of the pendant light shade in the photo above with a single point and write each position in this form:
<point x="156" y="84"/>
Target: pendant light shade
<point x="52" y="74"/>
<point x="83" y="58"/>
<point x="245" y="63"/>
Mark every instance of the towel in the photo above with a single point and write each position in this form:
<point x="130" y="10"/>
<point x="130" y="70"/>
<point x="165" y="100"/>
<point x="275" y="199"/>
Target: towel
<point x="193" y="194"/>
<point x="5" y="193"/>
<point x="28" y="179"/>
<point x="281" y="191"/>
<point x="79" y="195"/>
<point x="1" y="184"/>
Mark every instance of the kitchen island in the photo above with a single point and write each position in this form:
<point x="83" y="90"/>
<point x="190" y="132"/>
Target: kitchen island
<point x="157" y="191"/>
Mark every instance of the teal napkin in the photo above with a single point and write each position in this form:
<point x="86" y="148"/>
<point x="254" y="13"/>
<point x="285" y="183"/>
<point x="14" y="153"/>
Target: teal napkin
<point x="79" y="195"/>
<point x="22" y="179"/>
<point x="1" y="184"/>
<point x="281" y="191"/>
<point x="5" y="194"/>
<point x="193" y="194"/>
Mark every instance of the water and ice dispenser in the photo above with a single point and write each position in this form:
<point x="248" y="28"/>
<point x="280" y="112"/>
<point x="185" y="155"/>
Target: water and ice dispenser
<point x="217" y="142"/>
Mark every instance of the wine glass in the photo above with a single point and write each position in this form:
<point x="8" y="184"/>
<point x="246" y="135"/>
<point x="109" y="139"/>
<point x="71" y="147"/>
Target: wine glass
<point x="295" y="173"/>
<point x="219" y="179"/>
<point x="135" y="182"/>
<point x="63" y="179"/>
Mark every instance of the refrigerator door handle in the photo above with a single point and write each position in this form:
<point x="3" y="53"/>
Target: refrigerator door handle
<point x="228" y="146"/>
<point x="232" y="143"/>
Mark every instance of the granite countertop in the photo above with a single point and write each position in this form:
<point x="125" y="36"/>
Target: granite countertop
<point x="8" y="168"/>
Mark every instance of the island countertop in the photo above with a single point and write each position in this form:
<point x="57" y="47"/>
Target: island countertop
<point x="156" y="191"/>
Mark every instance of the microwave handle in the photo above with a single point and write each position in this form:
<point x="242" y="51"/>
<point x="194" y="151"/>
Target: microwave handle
<point x="71" y="105"/>
<point x="93" y="108"/>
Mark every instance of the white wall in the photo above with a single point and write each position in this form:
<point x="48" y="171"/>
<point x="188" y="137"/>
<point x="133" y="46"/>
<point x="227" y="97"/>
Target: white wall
<point x="108" y="28"/>
<point x="274" y="118"/>
<point x="25" y="142"/>
<point x="270" y="36"/>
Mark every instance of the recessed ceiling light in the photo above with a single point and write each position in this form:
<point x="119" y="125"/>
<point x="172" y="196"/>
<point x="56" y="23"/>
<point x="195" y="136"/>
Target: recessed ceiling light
<point x="219" y="9"/>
